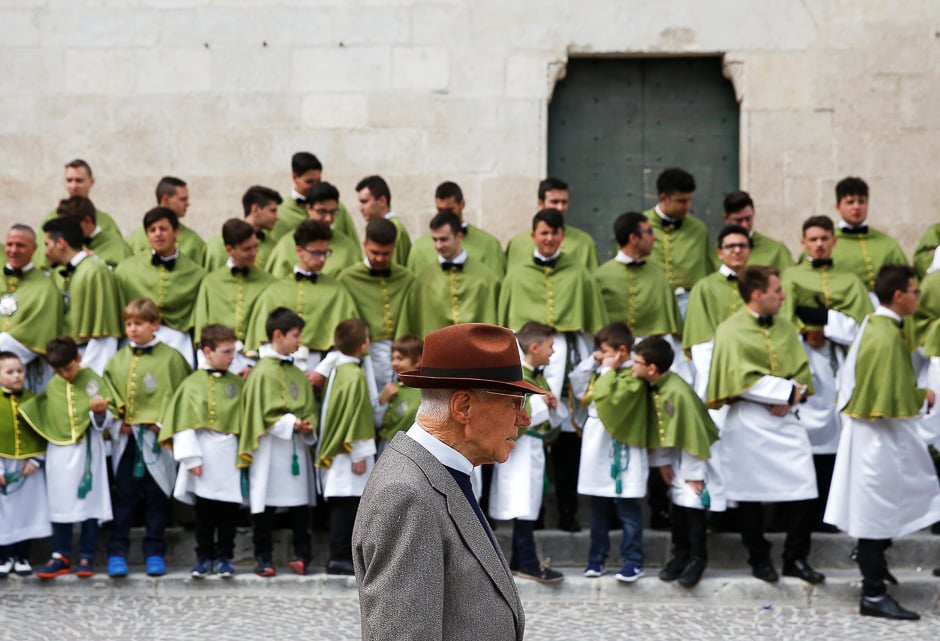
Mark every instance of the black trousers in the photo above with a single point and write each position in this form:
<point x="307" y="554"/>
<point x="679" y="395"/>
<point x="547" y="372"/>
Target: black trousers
<point x="211" y="517"/>
<point x="824" y="464"/>
<point x="798" y="517"/>
<point x="566" y="457"/>
<point x="689" y="535"/>
<point x="127" y="495"/>
<point x="342" y="518"/>
<point x="873" y="565"/>
<point x="298" y="518"/>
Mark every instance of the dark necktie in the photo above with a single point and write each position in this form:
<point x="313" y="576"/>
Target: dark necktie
<point x="765" y="321"/>
<point x="140" y="351"/>
<point x="861" y="229"/>
<point x="287" y="361"/>
<point x="241" y="270"/>
<point x="12" y="271"/>
<point x="732" y="277"/>
<point x="156" y="261"/>
<point x="260" y="235"/>
<point x="447" y="266"/>
<point x="541" y="262"/>
<point x="384" y="273"/>
<point x="463" y="480"/>
<point x="9" y="393"/>
<point x="67" y="270"/>
<point x="821" y="262"/>
<point x="312" y="277"/>
<point x="636" y="263"/>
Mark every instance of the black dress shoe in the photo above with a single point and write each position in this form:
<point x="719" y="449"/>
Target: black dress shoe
<point x="936" y="572"/>
<point x="764" y="570"/>
<point x="692" y="573"/>
<point x="569" y="524"/>
<point x="343" y="568"/>
<point x="673" y="569"/>
<point x="802" y="570"/>
<point x="886" y="608"/>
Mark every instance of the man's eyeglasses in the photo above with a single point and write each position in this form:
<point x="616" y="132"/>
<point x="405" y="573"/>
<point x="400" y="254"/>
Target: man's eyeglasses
<point x="321" y="211"/>
<point x="735" y="246"/>
<point x="518" y="400"/>
<point x="317" y="253"/>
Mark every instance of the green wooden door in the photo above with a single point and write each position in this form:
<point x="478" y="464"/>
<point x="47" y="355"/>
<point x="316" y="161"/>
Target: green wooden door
<point x="614" y="124"/>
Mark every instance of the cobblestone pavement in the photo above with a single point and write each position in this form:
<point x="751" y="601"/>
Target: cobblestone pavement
<point x="90" y="617"/>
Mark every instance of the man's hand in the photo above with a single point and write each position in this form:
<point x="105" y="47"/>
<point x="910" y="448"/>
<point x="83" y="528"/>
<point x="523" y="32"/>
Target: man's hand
<point x="359" y="467"/>
<point x="931" y="398"/>
<point x="245" y="372"/>
<point x="667" y="473"/>
<point x="98" y="404"/>
<point x="779" y="410"/>
<point x="697" y="486"/>
<point x="316" y="379"/>
<point x="126" y="428"/>
<point x="302" y="427"/>
<point x="197" y="471"/>
<point x="551" y="400"/>
<point x="815" y="338"/>
<point x="388" y="392"/>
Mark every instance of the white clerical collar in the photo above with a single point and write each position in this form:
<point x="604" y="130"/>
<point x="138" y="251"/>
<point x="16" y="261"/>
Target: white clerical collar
<point x="726" y="271"/>
<point x="343" y="359"/>
<point x="77" y="258"/>
<point x="552" y="257"/>
<point x="459" y="259"/>
<point x="845" y="225"/>
<point x="390" y="215"/>
<point x="296" y="195"/>
<point x="626" y="260"/>
<point x="95" y="232"/>
<point x="890" y="313"/>
<point x="659" y="212"/>
<point x="448" y="456"/>
<point x="28" y="266"/>
<point x="153" y="341"/>
<point x="298" y="270"/>
<point x="173" y="256"/>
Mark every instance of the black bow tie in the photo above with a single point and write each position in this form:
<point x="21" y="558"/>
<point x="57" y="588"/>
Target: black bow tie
<point x="384" y="273"/>
<point x="287" y="361"/>
<point x="140" y="351"/>
<point x="215" y="372"/>
<point x="672" y="225"/>
<point x="636" y="263"/>
<point x="765" y="321"/>
<point x="818" y="263"/>
<point x="537" y="371"/>
<point x="466" y="230"/>
<point x="260" y="235"/>
<point x="541" y="262"/>
<point x="901" y="324"/>
<point x="653" y="387"/>
<point x="67" y="270"/>
<point x="300" y="200"/>
<point x="12" y="271"/>
<point x="733" y="277"/>
<point x="89" y="240"/>
<point x="241" y="270"/>
<point x="312" y="277"/>
<point x="8" y="393"/>
<point x="169" y="263"/>
<point x="861" y="229"/>
<point x="447" y="266"/>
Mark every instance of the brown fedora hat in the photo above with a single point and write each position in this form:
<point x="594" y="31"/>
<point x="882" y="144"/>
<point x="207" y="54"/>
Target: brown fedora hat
<point x="470" y="356"/>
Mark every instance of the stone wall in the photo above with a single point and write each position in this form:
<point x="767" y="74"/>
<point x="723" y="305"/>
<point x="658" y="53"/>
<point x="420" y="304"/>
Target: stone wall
<point x="222" y="92"/>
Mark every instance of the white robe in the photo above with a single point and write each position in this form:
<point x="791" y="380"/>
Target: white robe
<point x="24" y="512"/>
<point x="157" y="459"/>
<point x="271" y="482"/>
<point x="689" y="467"/>
<point x="65" y="466"/>
<point x="217" y="453"/>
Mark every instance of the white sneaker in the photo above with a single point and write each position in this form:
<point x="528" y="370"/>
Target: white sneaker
<point x="22" y="567"/>
<point x="6" y="566"/>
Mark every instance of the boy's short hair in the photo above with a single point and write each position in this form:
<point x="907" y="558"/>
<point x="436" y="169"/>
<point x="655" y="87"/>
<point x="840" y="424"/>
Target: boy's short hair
<point x="551" y="183"/>
<point x="310" y="231"/>
<point x="167" y="187"/>
<point x="446" y="218"/>
<point x="377" y="187"/>
<point x="736" y="201"/>
<point x="675" y="180"/>
<point x="551" y="217"/>
<point x="381" y="231"/>
<point x="261" y="196"/>
<point x="215" y="334"/>
<point x="143" y="309"/>
<point x="615" y="334"/>
<point x="283" y="320"/>
<point x="657" y="351"/>
<point x="5" y="355"/>
<point x="161" y="213"/>
<point x="68" y="229"/>
<point x="755" y="278"/>
<point x="410" y="347"/>
<point x="728" y="230"/>
<point x="626" y="224"/>
<point x="320" y="192"/>
<point x="449" y="189"/>
<point x="892" y="278"/>
<point x="77" y="207"/>
<point x="851" y="186"/>
<point x="78" y="163"/>
<point x="61" y="351"/>
<point x="235" y="231"/>
<point x="823" y="222"/>
<point x="533" y="332"/>
<point x="349" y="335"/>
<point x="304" y="161"/>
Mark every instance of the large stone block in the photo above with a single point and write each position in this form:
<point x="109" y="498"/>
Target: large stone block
<point x="391" y="109"/>
<point x="779" y="80"/>
<point x="100" y="71"/>
<point x="906" y="47"/>
<point x="507" y="204"/>
<point x="226" y="26"/>
<point x="917" y="99"/>
<point x="174" y="71"/>
<point x="420" y="68"/>
<point x="473" y="75"/>
<point x="341" y="69"/>
<point x="99" y="27"/>
<point x="531" y="75"/>
<point x="341" y="111"/>
<point x="20" y="28"/>
<point x="375" y="26"/>
<point x="31" y="71"/>
<point x="250" y="68"/>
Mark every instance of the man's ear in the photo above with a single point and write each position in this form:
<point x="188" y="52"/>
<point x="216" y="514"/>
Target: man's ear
<point x="460" y="406"/>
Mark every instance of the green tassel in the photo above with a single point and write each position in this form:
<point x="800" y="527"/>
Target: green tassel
<point x="139" y="466"/>
<point x="85" y="486"/>
<point x="244" y="484"/>
<point x="295" y="465"/>
<point x="706" y="498"/>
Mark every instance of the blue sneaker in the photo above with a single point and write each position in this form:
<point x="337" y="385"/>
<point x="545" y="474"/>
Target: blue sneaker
<point x="155" y="566"/>
<point x="55" y="566"/>
<point x="594" y="570"/>
<point x="117" y="567"/>
<point x="201" y="570"/>
<point x="630" y="572"/>
<point x="225" y="569"/>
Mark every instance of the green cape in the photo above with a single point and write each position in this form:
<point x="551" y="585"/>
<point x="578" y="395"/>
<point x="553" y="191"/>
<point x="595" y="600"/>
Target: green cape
<point x="228" y="299"/>
<point x="745" y="352"/>
<point x="290" y="214"/>
<point x="564" y="297"/>
<point x="348" y="414"/>
<point x="216" y="256"/>
<point x="103" y="220"/>
<point x="685" y="254"/>
<point x="174" y="292"/>
<point x="864" y="254"/>
<point x="380" y="300"/>
<point x="189" y="242"/>
<point x="711" y="301"/>
<point x="401" y="412"/>
<point x="923" y="253"/>
<point x="927" y="317"/>
<point x="767" y="251"/>
<point x="203" y="401"/>
<point x="834" y="288"/>
<point x="60" y="413"/>
<point x="577" y="244"/>
<point x="109" y="247"/>
<point x="479" y="244"/>
<point x="271" y="391"/>
<point x="640" y="297"/>
<point x="322" y="306"/>
<point x="402" y="242"/>
<point x="344" y="251"/>
<point x="885" y="385"/>
<point x="17" y="439"/>
<point x="93" y="303"/>
<point x="679" y="418"/>
<point x="622" y="405"/>
<point x="38" y="314"/>
<point x="441" y="298"/>
<point x="141" y="385"/>
<point x="542" y="429"/>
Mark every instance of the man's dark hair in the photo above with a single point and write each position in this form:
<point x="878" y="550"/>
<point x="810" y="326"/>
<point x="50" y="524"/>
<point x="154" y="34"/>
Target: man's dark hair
<point x="215" y="334"/>
<point x="167" y="187"/>
<point x="236" y="231"/>
<point x="675" y="180"/>
<point x="311" y="231"/>
<point x="67" y="229"/>
<point x="377" y="187"/>
<point x="823" y="222"/>
<point x="381" y="232"/>
<point x="78" y="163"/>
<point x="626" y="224"/>
<point x="656" y="351"/>
<point x="349" y="335"/>
<point x="446" y="218"/>
<point x="551" y="217"/>
<point x="282" y="320"/>
<point x="533" y="332"/>
<point x="260" y="196"/>
<point x="755" y="278"/>
<point x="449" y="189"/>
<point x="304" y="161"/>
<point x="161" y="213"/>
<point x="728" y="230"/>
<point x="615" y="334"/>
<point x="851" y="186"/>
<point x="890" y="279"/>
<point x="322" y="191"/>
<point x="551" y="184"/>
<point x="736" y="201"/>
<point x="77" y="207"/>
<point x="61" y="351"/>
